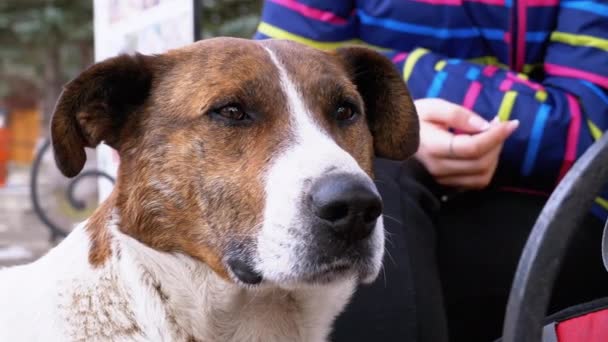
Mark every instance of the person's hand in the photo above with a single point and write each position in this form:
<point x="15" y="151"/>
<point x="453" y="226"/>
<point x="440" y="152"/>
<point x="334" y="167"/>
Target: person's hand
<point x="466" y="161"/>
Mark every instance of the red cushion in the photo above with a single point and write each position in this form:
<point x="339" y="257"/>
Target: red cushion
<point x="592" y="327"/>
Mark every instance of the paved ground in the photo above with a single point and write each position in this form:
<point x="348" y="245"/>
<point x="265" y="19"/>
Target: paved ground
<point x="23" y="237"/>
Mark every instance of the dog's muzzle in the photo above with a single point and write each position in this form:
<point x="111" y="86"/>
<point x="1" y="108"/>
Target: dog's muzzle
<point x="343" y="211"/>
<point x="331" y="231"/>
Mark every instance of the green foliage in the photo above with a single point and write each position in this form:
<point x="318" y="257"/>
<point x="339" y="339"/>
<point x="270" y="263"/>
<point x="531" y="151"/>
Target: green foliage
<point x="235" y="18"/>
<point x="36" y="33"/>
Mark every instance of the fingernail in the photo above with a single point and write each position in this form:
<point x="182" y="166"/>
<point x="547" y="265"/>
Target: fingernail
<point x="479" y="123"/>
<point x="513" y="124"/>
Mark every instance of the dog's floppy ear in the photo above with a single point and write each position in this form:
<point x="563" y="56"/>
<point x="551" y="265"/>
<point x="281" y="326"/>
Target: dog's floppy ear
<point x="94" y="107"/>
<point x="391" y="114"/>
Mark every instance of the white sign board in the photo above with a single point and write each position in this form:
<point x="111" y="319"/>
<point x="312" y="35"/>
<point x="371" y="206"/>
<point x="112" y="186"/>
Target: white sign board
<point x="145" y="26"/>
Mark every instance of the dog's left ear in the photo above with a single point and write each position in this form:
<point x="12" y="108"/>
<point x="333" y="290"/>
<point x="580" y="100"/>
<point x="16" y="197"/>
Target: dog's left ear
<point x="390" y="111"/>
<point x="95" y="106"/>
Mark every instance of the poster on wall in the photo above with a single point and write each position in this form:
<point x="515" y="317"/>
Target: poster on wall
<point x="144" y="26"/>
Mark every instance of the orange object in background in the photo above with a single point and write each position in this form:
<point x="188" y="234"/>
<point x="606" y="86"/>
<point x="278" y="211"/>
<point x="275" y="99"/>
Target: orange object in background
<point x="19" y="133"/>
<point x="4" y="154"/>
<point x="24" y="126"/>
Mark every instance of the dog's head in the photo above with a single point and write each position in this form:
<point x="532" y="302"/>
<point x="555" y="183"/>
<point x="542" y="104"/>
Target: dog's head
<point x="252" y="157"/>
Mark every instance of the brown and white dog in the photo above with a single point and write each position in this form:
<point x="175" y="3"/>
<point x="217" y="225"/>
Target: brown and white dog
<point x="244" y="208"/>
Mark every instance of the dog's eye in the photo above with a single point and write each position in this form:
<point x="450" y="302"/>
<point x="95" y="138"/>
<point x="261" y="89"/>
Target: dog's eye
<point x="232" y="112"/>
<point x="345" y="113"/>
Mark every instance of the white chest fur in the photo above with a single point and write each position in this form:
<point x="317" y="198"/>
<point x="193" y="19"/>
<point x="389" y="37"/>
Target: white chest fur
<point x="141" y="294"/>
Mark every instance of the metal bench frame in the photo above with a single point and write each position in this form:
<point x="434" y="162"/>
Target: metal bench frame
<point x="548" y="241"/>
<point x="58" y="232"/>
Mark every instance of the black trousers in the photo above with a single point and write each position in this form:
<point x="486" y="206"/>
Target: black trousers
<point x="449" y="265"/>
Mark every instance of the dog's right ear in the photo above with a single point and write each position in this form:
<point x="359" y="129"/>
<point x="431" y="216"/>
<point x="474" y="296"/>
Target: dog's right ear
<point x="95" y="106"/>
<point x="389" y="108"/>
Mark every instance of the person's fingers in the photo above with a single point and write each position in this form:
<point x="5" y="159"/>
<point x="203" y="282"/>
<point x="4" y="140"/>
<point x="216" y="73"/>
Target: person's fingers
<point x="451" y="115"/>
<point x="473" y="146"/>
<point x="434" y="140"/>
<point x="441" y="167"/>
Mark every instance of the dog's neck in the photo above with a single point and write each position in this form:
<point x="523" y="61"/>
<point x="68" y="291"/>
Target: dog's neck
<point x="181" y="299"/>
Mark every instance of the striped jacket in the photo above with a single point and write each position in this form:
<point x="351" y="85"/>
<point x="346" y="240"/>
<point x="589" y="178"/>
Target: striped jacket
<point x="544" y="62"/>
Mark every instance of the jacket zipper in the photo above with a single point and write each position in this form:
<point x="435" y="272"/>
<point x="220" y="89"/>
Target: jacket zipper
<point x="518" y="34"/>
<point x="512" y="31"/>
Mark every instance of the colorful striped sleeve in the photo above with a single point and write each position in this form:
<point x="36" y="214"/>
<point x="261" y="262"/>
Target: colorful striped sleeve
<point x="577" y="64"/>
<point x="320" y="24"/>
<point x="561" y="113"/>
<point x="555" y="128"/>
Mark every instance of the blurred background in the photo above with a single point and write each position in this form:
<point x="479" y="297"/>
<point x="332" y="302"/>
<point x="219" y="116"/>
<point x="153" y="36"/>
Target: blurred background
<point x="44" y="44"/>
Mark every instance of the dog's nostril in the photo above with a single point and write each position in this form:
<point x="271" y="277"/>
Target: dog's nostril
<point x="333" y="211"/>
<point x="372" y="213"/>
<point x="348" y="205"/>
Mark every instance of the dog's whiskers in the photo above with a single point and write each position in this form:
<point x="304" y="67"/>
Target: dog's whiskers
<point x="392" y="219"/>
<point x="390" y="256"/>
<point x="388" y="237"/>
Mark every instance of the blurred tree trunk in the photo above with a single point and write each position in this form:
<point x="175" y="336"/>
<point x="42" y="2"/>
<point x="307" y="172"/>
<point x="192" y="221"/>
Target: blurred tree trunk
<point x="86" y="53"/>
<point x="55" y="78"/>
<point x="52" y="84"/>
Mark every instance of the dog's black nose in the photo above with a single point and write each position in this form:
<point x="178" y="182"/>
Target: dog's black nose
<point x="348" y="205"/>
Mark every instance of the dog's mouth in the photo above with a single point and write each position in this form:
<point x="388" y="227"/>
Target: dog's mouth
<point x="245" y="273"/>
<point x="295" y="264"/>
